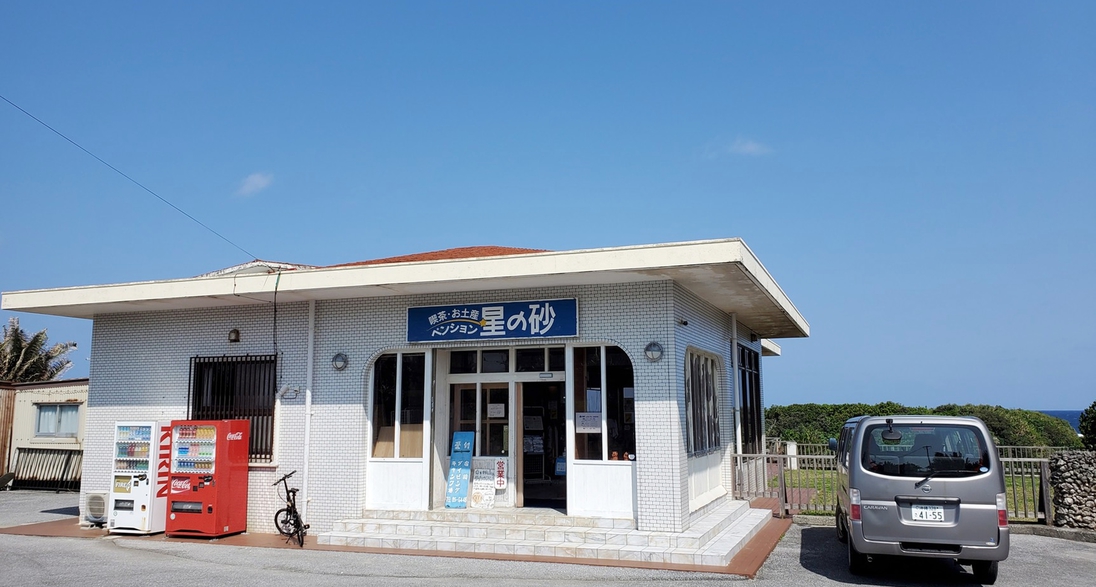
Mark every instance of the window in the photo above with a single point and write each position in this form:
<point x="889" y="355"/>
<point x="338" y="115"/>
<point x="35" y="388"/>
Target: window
<point x="944" y="450"/>
<point x="701" y="402"/>
<point x="399" y="398"/>
<point x="604" y="404"/>
<point x="228" y="388"/>
<point x="57" y="420"/>
<point x="749" y="373"/>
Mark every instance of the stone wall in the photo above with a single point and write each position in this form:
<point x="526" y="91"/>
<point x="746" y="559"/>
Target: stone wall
<point x="1073" y="476"/>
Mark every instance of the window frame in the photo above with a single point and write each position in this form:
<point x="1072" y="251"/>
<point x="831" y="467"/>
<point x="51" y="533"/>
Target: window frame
<point x="261" y="415"/>
<point x="398" y="407"/>
<point x="705" y="436"/>
<point x="750" y="408"/>
<point x="57" y="433"/>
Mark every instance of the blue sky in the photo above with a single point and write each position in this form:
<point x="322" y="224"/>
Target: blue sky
<point x="919" y="178"/>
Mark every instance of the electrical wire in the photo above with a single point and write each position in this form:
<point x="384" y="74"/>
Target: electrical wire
<point x="119" y="172"/>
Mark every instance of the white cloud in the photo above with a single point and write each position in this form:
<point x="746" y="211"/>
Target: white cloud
<point x="743" y="146"/>
<point x="255" y="183"/>
<point x="740" y="146"/>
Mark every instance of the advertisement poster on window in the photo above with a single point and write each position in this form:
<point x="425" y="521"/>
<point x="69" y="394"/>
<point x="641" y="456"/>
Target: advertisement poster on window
<point x="587" y="422"/>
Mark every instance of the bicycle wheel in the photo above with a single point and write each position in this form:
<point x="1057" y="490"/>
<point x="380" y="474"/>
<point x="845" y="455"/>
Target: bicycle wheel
<point x="286" y="522"/>
<point x="300" y="535"/>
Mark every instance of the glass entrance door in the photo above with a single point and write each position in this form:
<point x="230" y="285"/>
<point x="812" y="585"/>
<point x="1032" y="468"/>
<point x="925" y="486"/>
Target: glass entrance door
<point x="482" y="392"/>
<point x="483" y="408"/>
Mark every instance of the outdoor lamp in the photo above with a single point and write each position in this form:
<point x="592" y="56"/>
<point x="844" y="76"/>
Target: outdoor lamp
<point x="234" y="335"/>
<point x="653" y="350"/>
<point x="339" y="362"/>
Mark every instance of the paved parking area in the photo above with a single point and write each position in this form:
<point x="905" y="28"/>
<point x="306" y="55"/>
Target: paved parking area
<point x="806" y="557"/>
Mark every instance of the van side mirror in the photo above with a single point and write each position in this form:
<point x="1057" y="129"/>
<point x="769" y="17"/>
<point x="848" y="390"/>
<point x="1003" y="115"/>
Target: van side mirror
<point x="833" y="444"/>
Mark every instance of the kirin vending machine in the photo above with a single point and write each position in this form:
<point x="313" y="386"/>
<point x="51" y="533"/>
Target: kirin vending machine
<point x="208" y="477"/>
<point x="138" y="495"/>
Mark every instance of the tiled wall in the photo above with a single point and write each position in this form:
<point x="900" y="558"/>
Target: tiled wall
<point x="709" y="329"/>
<point x="140" y="370"/>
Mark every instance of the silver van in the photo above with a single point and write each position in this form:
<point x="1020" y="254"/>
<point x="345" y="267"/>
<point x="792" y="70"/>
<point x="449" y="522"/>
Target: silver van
<point x="922" y="486"/>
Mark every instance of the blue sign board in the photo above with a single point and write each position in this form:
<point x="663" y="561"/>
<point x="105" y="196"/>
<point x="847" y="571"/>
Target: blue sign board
<point x="493" y="321"/>
<point x="460" y="467"/>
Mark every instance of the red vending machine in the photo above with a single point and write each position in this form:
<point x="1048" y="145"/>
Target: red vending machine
<point x="208" y="478"/>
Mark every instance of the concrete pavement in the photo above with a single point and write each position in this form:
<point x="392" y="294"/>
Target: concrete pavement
<point x="806" y="557"/>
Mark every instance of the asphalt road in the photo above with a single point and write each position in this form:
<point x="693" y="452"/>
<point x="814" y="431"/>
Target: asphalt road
<point x="806" y="557"/>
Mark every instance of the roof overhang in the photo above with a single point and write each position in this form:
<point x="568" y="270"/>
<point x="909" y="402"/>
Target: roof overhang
<point x="724" y="272"/>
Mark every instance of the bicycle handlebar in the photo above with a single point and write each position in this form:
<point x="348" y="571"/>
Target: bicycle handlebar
<point x="284" y="477"/>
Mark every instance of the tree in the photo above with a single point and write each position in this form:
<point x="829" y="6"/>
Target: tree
<point x="26" y="359"/>
<point x="1088" y="426"/>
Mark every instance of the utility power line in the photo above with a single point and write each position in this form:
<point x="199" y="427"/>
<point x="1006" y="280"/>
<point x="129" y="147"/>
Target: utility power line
<point x="134" y="181"/>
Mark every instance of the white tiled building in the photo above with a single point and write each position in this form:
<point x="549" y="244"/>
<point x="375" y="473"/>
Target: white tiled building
<point x="625" y="402"/>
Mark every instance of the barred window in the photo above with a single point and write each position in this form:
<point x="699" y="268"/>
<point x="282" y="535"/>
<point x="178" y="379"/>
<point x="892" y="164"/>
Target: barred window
<point x="701" y="402"/>
<point x="237" y="387"/>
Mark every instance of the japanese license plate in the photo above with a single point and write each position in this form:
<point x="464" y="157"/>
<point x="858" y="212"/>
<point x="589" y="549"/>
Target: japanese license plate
<point x="928" y="513"/>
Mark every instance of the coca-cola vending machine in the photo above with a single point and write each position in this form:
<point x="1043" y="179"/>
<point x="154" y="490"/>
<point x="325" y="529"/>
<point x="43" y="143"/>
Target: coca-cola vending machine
<point x="138" y="493"/>
<point x="208" y="477"/>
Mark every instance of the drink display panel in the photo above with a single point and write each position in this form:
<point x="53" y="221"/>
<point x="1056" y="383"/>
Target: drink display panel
<point x="195" y="449"/>
<point x="132" y="448"/>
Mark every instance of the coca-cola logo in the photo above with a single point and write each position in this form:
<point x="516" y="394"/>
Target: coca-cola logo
<point x="235" y="436"/>
<point x="180" y="484"/>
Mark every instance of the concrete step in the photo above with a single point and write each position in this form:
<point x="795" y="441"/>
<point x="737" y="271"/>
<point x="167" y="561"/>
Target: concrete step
<point x="711" y="541"/>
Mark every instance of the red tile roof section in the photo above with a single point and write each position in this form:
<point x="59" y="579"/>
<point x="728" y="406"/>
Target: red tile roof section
<point x="448" y="254"/>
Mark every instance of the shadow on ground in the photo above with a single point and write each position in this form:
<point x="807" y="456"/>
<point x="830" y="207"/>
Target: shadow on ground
<point x="70" y="511"/>
<point x="822" y="554"/>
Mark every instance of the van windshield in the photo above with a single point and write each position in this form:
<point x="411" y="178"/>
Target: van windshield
<point x="948" y="450"/>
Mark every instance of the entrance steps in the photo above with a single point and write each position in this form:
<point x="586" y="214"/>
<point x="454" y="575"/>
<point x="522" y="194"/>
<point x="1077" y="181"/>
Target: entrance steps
<point x="711" y="540"/>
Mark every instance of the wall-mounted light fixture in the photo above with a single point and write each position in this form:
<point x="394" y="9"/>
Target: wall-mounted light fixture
<point x="653" y="350"/>
<point x="234" y="335"/>
<point x="339" y="362"/>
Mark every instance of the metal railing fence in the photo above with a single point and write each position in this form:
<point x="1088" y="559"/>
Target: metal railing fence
<point x="807" y="483"/>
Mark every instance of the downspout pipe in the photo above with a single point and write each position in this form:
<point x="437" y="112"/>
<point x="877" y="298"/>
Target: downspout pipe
<point x="308" y="404"/>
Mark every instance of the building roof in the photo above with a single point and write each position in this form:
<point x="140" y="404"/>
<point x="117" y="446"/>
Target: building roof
<point x="724" y="272"/>
<point x="448" y="254"/>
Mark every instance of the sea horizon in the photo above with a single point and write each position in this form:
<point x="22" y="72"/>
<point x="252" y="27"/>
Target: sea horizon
<point x="1071" y="416"/>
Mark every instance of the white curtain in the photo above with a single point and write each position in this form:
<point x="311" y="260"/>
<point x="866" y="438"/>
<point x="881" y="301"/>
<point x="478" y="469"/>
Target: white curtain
<point x="47" y="421"/>
<point x="69" y="422"/>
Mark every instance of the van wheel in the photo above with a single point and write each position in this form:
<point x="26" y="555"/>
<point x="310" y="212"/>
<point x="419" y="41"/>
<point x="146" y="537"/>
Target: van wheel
<point x="985" y="572"/>
<point x="842" y="532"/>
<point x="858" y="561"/>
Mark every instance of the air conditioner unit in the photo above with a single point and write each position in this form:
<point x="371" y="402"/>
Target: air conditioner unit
<point x="95" y="510"/>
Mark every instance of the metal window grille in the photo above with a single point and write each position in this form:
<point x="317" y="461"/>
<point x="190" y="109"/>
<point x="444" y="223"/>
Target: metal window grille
<point x="701" y="403"/>
<point x="237" y="387"/>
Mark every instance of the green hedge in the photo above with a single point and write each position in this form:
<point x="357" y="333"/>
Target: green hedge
<point x="817" y="423"/>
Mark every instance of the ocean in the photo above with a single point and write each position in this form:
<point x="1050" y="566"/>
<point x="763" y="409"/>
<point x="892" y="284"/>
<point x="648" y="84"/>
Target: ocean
<point x="1071" y="416"/>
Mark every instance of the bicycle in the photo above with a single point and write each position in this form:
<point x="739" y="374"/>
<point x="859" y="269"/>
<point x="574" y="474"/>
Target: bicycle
<point x="288" y="520"/>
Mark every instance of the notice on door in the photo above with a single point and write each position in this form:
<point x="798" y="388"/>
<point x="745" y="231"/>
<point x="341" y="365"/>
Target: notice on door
<point x="587" y="422"/>
<point x="483" y="489"/>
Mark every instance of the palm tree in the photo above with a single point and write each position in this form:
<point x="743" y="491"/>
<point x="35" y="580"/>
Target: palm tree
<point x="26" y="359"/>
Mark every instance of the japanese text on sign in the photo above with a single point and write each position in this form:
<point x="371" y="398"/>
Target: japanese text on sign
<point x="502" y="320"/>
<point x="460" y="465"/>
